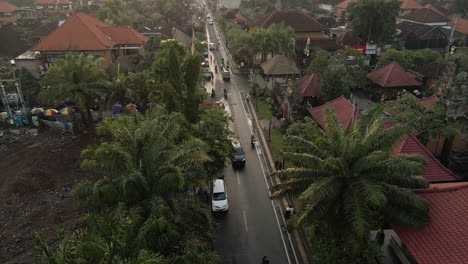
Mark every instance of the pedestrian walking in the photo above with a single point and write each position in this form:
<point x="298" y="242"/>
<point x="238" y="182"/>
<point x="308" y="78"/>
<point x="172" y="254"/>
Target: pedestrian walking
<point x="265" y="260"/>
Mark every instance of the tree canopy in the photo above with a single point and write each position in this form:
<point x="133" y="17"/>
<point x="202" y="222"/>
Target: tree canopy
<point x="408" y="59"/>
<point x="374" y="20"/>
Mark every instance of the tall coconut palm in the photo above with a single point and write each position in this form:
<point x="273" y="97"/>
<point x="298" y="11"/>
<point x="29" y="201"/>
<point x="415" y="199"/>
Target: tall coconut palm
<point x="342" y="179"/>
<point x="120" y="91"/>
<point x="78" y="78"/>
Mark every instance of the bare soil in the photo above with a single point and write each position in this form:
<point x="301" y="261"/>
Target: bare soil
<point x="37" y="174"/>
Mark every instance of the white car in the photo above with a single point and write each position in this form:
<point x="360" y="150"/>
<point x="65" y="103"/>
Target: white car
<point x="210" y="22"/>
<point x="219" y="198"/>
<point x="212" y="46"/>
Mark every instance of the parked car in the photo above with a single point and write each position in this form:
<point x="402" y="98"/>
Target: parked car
<point x="210" y="22"/>
<point x="239" y="155"/>
<point x="207" y="74"/>
<point x="226" y="75"/>
<point x="219" y="196"/>
<point x="212" y="46"/>
<point x="205" y="53"/>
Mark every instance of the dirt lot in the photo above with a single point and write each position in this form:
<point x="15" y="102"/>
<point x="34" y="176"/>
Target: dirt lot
<point x="37" y="174"/>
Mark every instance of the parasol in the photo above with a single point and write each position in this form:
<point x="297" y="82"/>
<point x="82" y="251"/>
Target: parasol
<point x="37" y="110"/>
<point x="130" y="106"/>
<point x="67" y="110"/>
<point x="50" y="112"/>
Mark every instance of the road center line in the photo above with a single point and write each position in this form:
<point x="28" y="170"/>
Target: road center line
<point x="245" y="222"/>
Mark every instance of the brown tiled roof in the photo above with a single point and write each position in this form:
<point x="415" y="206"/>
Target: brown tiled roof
<point x="435" y="171"/>
<point x="280" y="65"/>
<point x="52" y="2"/>
<point x="83" y="32"/>
<point x="300" y="21"/>
<point x="410" y="4"/>
<point x="345" y="3"/>
<point x="444" y="239"/>
<point x="428" y="102"/>
<point x="345" y="112"/>
<point x="349" y="39"/>
<point x="426" y="15"/>
<point x="240" y="19"/>
<point x="392" y="75"/>
<point x="461" y="25"/>
<point x="325" y="44"/>
<point x="309" y="85"/>
<point x="7" y="7"/>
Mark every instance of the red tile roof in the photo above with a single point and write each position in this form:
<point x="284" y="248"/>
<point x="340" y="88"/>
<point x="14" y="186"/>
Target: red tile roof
<point x="309" y="85"/>
<point x="7" y="8"/>
<point x="410" y="4"/>
<point x="300" y="21"/>
<point x="461" y="25"/>
<point x="445" y="239"/>
<point x="240" y="19"/>
<point x="6" y="20"/>
<point x="428" y="101"/>
<point x="52" y="2"/>
<point x="426" y="15"/>
<point x="345" y="112"/>
<point x="435" y="171"/>
<point x="392" y="75"/>
<point x="84" y="32"/>
<point x="345" y="3"/>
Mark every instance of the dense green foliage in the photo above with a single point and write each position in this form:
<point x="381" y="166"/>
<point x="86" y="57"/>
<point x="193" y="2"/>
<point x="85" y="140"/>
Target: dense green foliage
<point x="343" y="179"/>
<point x="428" y="123"/>
<point x="374" y="20"/>
<point x="408" y="59"/>
<point x="333" y="83"/>
<point x="320" y="62"/>
<point x="275" y="40"/>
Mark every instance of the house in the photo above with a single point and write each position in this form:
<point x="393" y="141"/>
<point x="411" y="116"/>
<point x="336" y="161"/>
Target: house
<point x="346" y="112"/>
<point x="428" y="16"/>
<point x="421" y="36"/>
<point x="63" y="6"/>
<point x="83" y="33"/>
<point x="31" y="61"/>
<point x="308" y="88"/>
<point x="407" y="6"/>
<point x="304" y="25"/>
<point x="7" y="12"/>
<point x="444" y="239"/>
<point x="391" y="79"/>
<point x="461" y="27"/>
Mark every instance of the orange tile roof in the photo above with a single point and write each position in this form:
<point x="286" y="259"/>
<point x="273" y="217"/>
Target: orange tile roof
<point x="392" y="75"/>
<point x="84" y="32"/>
<point x="52" y="2"/>
<point x="444" y="239"/>
<point x="7" y="8"/>
<point x="461" y="25"/>
<point x="345" y="112"/>
<point x="345" y="3"/>
<point x="410" y="4"/>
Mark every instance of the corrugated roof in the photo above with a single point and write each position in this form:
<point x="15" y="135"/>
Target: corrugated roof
<point x="52" y="2"/>
<point x="309" y="85"/>
<point x="345" y="112"/>
<point x="426" y="15"/>
<point x="435" y="171"/>
<point x="7" y="7"/>
<point x="300" y="21"/>
<point x="84" y="32"/>
<point x="410" y="4"/>
<point x="444" y="240"/>
<point x="280" y="65"/>
<point x="392" y="75"/>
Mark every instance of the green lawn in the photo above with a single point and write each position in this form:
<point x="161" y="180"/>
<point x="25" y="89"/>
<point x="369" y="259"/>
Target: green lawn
<point x="263" y="110"/>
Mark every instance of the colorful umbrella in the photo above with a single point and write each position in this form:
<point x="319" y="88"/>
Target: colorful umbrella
<point x="37" y="111"/>
<point x="130" y="106"/>
<point x="4" y="115"/>
<point x="51" y="112"/>
<point x="67" y="110"/>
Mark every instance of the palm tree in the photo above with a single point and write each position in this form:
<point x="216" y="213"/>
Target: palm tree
<point x="120" y="91"/>
<point x="78" y="78"/>
<point x="341" y="179"/>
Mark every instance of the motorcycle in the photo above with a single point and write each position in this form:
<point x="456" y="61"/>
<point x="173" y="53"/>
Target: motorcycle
<point x="252" y="141"/>
<point x="225" y="94"/>
<point x="213" y="93"/>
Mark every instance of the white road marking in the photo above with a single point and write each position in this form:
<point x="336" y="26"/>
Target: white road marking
<point x="238" y="178"/>
<point x="245" y="222"/>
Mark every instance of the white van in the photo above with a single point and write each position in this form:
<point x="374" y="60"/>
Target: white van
<point x="219" y="197"/>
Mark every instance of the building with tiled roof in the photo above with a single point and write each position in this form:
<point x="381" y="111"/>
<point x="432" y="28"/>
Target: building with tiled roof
<point x="345" y="111"/>
<point x="427" y="16"/>
<point x="421" y="36"/>
<point x="428" y="102"/>
<point x="461" y="25"/>
<point x="435" y="171"/>
<point x="308" y="85"/>
<point x="406" y="6"/>
<point x="7" y="13"/>
<point x="444" y="239"/>
<point x="279" y="65"/>
<point x="302" y="22"/>
<point x="349" y="39"/>
<point x="53" y="5"/>
<point x="392" y="75"/>
<point x="83" y="33"/>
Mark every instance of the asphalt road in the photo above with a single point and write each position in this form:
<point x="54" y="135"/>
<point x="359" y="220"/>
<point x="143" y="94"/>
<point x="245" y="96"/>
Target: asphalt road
<point x="252" y="227"/>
